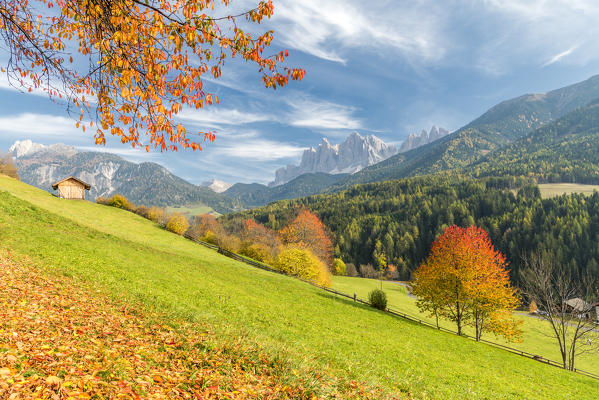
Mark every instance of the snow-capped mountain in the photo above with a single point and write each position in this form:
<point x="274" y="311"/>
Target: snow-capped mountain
<point x="354" y="154"/>
<point x="22" y="148"/>
<point x="420" y="139"/>
<point x="217" y="186"/>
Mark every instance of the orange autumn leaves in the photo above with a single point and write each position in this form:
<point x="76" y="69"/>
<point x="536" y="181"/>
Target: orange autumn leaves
<point x="464" y="279"/>
<point x="140" y="63"/>
<point x="308" y="231"/>
<point x="61" y="339"/>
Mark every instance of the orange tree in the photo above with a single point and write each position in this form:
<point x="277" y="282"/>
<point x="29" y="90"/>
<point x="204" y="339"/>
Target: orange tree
<point x="133" y="65"/>
<point x="464" y="279"/>
<point x="306" y="230"/>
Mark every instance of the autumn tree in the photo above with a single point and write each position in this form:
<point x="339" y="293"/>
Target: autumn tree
<point x="339" y="267"/>
<point x="177" y="223"/>
<point x="7" y="166"/>
<point x="306" y="230"/>
<point x="303" y="263"/>
<point x="565" y="300"/>
<point x="132" y="66"/>
<point x="254" y="232"/>
<point x="464" y="279"/>
<point x="202" y="224"/>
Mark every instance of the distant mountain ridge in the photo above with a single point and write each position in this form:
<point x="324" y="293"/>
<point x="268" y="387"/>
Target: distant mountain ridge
<point x="416" y="140"/>
<point x="500" y="125"/>
<point x="350" y="156"/>
<point x="564" y="151"/>
<point x="145" y="183"/>
<point x="255" y="194"/>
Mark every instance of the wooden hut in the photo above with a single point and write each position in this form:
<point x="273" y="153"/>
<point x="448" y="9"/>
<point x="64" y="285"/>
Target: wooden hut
<point x="71" y="188"/>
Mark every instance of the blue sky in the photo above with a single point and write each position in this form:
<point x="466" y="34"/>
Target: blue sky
<point x="387" y="68"/>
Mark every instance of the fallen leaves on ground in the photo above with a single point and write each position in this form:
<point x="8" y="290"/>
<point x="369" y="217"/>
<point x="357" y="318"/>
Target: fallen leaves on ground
<point x="61" y="340"/>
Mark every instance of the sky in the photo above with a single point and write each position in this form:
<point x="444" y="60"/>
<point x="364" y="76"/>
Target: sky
<point x="384" y="68"/>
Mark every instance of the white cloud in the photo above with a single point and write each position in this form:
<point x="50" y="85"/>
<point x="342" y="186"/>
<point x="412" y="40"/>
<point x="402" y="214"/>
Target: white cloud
<point x="326" y="29"/>
<point x="559" y="56"/>
<point x="38" y="124"/>
<point x="536" y="32"/>
<point x="322" y="115"/>
<point x="216" y="117"/>
<point x="134" y="154"/>
<point x="257" y="149"/>
<point x="495" y="36"/>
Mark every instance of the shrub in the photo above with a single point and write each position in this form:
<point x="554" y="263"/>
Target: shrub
<point x="7" y="166"/>
<point x="120" y="201"/>
<point x="202" y="224"/>
<point x="533" y="309"/>
<point x="210" y="237"/>
<point x="368" y="271"/>
<point x="339" y="267"/>
<point x="257" y="251"/>
<point x="378" y="299"/>
<point x="351" y="270"/>
<point x="177" y="223"/>
<point x="142" y="211"/>
<point x="157" y="215"/>
<point x="304" y="264"/>
<point x="102" y="200"/>
<point x="229" y="242"/>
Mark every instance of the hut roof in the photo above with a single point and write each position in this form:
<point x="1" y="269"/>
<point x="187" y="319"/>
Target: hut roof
<point x="578" y="304"/>
<point x="87" y="186"/>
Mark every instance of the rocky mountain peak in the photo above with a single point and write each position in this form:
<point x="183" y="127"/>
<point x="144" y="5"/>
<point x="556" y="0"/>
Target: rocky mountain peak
<point x="26" y="148"/>
<point x="350" y="156"/>
<point x="217" y="185"/>
<point x="416" y="140"/>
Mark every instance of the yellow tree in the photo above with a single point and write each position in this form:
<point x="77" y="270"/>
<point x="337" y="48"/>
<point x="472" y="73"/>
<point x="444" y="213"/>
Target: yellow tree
<point x="464" y="279"/>
<point x="307" y="230"/>
<point x="134" y="65"/>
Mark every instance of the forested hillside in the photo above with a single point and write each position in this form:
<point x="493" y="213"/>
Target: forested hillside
<point x="501" y="125"/>
<point x="255" y="194"/>
<point x="400" y="220"/>
<point x="566" y="150"/>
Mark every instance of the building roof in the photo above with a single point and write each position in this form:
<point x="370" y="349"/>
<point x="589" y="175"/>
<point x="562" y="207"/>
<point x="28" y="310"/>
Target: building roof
<point x="87" y="186"/>
<point x="578" y="304"/>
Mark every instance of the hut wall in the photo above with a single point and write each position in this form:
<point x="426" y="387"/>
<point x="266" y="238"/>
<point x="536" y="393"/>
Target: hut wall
<point x="71" y="190"/>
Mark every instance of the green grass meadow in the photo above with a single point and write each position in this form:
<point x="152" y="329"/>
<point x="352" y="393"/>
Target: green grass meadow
<point x="192" y="210"/>
<point x="557" y="189"/>
<point x="132" y="259"/>
<point x="536" y="337"/>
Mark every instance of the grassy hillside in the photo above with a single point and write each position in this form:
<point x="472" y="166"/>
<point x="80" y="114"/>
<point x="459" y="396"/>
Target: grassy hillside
<point x="549" y="190"/>
<point x="191" y="210"/>
<point x="536" y="338"/>
<point x="130" y="258"/>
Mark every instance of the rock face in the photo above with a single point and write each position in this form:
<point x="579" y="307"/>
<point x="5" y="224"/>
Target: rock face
<point x="27" y="148"/>
<point x="145" y="183"/>
<point x="420" y="139"/>
<point x="354" y="154"/>
<point x="217" y="186"/>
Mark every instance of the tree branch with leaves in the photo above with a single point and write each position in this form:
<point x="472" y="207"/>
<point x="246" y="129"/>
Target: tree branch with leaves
<point x="132" y="66"/>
